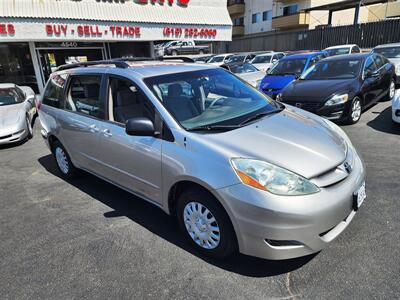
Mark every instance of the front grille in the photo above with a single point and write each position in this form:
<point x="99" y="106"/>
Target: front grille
<point x="309" y="106"/>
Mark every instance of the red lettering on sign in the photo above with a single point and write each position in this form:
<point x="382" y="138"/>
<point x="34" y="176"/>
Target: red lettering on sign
<point x="170" y="2"/>
<point x="11" y="29"/>
<point x="56" y="29"/>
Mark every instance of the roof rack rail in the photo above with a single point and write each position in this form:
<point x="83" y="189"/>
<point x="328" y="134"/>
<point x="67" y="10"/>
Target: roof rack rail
<point x="116" y="63"/>
<point x="182" y="58"/>
<point x="120" y="62"/>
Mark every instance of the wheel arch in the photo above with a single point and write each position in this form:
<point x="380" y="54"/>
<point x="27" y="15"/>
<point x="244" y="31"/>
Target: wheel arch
<point x="178" y="187"/>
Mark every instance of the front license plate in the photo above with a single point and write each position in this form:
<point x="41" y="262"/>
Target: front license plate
<point x="359" y="196"/>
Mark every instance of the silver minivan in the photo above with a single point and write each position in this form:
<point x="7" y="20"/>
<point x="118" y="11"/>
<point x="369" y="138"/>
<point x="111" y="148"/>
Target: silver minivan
<point x="237" y="169"/>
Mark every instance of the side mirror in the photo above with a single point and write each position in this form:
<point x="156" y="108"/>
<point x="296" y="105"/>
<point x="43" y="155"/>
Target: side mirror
<point x="274" y="60"/>
<point x="140" y="127"/>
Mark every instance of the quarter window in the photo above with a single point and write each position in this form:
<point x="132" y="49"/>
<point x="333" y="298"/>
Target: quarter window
<point x="53" y="94"/>
<point x="84" y="96"/>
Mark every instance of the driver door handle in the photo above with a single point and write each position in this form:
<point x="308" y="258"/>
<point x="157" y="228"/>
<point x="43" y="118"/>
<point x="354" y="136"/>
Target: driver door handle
<point x="107" y="133"/>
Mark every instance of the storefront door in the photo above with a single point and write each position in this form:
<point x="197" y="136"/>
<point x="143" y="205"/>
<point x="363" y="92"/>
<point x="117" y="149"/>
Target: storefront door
<point x="50" y="58"/>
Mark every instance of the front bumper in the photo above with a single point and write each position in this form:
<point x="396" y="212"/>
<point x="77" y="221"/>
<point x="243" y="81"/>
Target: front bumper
<point x="13" y="136"/>
<point x="276" y="227"/>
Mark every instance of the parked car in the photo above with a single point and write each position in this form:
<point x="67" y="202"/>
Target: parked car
<point x="342" y="49"/>
<point x="264" y="61"/>
<point x="396" y="108"/>
<point x="219" y="60"/>
<point x="341" y="87"/>
<point x="203" y="58"/>
<point x="246" y="71"/>
<point x="202" y="145"/>
<point x="17" y="111"/>
<point x="392" y="53"/>
<point x="241" y="57"/>
<point x="288" y="68"/>
<point x="185" y="47"/>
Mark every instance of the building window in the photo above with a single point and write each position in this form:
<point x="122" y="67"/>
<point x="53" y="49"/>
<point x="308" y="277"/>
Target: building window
<point x="267" y="15"/>
<point x="238" y="21"/>
<point x="290" y="10"/>
<point x="256" y="18"/>
<point x="16" y="65"/>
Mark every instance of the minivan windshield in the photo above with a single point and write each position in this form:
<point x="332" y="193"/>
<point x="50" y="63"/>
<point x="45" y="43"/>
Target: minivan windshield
<point x="9" y="97"/>
<point x="210" y="99"/>
<point x="389" y="52"/>
<point x="293" y="66"/>
<point x="333" y="69"/>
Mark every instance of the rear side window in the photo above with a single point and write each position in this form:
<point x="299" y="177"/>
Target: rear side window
<point x="54" y="93"/>
<point x="84" y="95"/>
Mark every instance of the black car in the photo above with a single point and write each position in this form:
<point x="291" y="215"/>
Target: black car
<point x="339" y="88"/>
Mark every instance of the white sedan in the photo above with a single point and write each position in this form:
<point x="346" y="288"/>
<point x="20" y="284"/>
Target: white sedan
<point x="17" y="111"/>
<point x="396" y="107"/>
<point x="246" y="71"/>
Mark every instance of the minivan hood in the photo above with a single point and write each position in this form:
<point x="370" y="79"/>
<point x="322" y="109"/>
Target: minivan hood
<point x="318" y="89"/>
<point x="276" y="82"/>
<point x="303" y="144"/>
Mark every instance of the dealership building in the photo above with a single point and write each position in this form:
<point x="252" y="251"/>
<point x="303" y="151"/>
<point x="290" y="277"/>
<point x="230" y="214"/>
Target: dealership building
<point x="37" y="36"/>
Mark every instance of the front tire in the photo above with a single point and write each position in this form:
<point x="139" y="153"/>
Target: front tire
<point x="64" y="163"/>
<point x="355" y="111"/>
<point x="174" y="53"/>
<point x="201" y="52"/>
<point x="205" y="224"/>
<point x="392" y="91"/>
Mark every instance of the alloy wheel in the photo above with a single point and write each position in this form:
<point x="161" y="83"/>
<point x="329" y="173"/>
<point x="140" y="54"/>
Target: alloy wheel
<point x="392" y="90"/>
<point x="356" y="110"/>
<point x="62" y="160"/>
<point x="201" y="225"/>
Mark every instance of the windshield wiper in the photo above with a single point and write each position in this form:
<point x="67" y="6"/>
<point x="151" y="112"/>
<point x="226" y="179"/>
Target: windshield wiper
<point x="213" y="127"/>
<point x="262" y="114"/>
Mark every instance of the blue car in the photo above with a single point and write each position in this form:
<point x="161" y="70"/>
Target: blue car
<point x="288" y="68"/>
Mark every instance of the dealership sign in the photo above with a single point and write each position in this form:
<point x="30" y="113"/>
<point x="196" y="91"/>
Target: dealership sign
<point x="68" y="30"/>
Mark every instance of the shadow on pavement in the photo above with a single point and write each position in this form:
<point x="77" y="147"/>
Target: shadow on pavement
<point x="383" y="122"/>
<point x="155" y="220"/>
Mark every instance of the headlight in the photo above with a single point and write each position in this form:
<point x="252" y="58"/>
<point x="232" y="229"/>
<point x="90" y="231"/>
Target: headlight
<point x="271" y="178"/>
<point x="279" y="97"/>
<point x="397" y="70"/>
<point x="337" y="99"/>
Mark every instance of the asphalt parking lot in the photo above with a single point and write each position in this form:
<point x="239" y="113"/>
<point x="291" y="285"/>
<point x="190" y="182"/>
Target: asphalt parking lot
<point x="88" y="239"/>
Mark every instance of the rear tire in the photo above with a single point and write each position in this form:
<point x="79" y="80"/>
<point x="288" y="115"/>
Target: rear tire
<point x="201" y="52"/>
<point x="196" y="210"/>
<point x="355" y="111"/>
<point x="63" y="161"/>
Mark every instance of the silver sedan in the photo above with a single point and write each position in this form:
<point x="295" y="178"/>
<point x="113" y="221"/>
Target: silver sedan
<point x="17" y="110"/>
